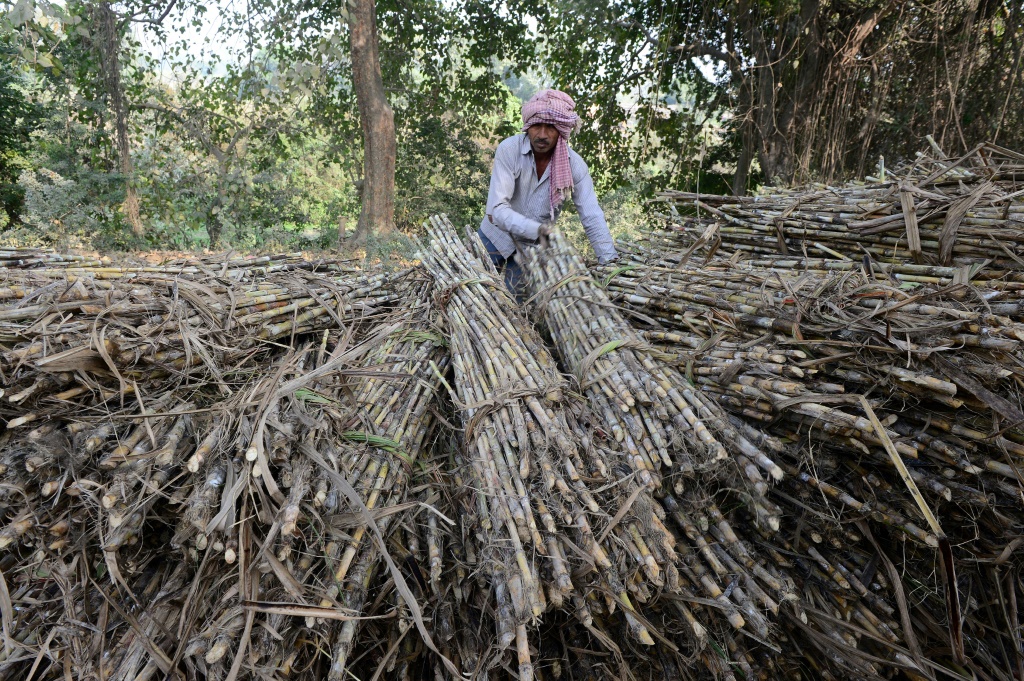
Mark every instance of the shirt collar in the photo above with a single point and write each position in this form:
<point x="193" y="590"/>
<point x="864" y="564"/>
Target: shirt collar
<point x="524" y="144"/>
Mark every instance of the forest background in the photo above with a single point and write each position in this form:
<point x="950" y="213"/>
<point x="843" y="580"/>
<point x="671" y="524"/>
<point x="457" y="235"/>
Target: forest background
<point x="190" y="124"/>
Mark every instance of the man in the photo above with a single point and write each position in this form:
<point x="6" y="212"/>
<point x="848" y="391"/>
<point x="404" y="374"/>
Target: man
<point x="533" y="174"/>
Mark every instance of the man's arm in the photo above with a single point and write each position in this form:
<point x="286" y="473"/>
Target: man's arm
<point x="499" y="198"/>
<point x="591" y="215"/>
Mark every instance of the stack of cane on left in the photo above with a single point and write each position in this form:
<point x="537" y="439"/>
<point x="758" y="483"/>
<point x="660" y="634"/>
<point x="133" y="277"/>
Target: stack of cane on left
<point x="204" y="472"/>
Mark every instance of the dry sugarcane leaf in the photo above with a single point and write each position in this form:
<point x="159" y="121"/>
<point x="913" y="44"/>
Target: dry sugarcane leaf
<point x="42" y="653"/>
<point x="6" y="615"/>
<point x="1003" y="150"/>
<point x="99" y="342"/>
<point x="248" y="589"/>
<point x="953" y="611"/>
<point x="162" y="660"/>
<point x="334" y="612"/>
<point x="293" y="588"/>
<point x="945" y="550"/>
<point x="903" y="605"/>
<point x="344" y="521"/>
<point x="82" y="358"/>
<point x="333" y="365"/>
<point x="996" y="403"/>
<point x="945" y="169"/>
<point x="621" y="513"/>
<point x="396" y="574"/>
<point x="956" y="214"/>
<point x="910" y="219"/>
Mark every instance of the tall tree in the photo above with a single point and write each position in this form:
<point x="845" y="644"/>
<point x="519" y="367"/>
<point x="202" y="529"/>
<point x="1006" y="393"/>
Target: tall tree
<point x="107" y="41"/>
<point x="439" y="73"/>
<point x="377" y="120"/>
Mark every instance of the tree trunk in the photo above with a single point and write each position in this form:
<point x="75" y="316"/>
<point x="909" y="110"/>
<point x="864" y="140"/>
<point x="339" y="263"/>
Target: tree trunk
<point x="215" y="213"/>
<point x="747" y="151"/>
<point x="109" y="47"/>
<point x="377" y="120"/>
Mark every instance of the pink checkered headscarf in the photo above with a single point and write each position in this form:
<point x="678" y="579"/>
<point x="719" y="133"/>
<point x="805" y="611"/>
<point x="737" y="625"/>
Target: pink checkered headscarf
<point x="556" y="108"/>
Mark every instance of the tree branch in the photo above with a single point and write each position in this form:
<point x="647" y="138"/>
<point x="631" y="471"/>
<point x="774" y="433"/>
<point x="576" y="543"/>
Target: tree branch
<point x="155" y="22"/>
<point x="704" y="50"/>
<point x="195" y="131"/>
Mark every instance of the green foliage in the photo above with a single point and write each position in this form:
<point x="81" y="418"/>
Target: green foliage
<point x="648" y="110"/>
<point x="810" y="90"/>
<point x="442" y="170"/>
<point x="438" y="60"/>
<point x="623" y="209"/>
<point x="249" y="136"/>
<point x="19" y="116"/>
<point x="71" y="200"/>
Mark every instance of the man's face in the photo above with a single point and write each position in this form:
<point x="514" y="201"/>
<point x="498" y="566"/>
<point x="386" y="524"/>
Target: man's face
<point x="542" y="137"/>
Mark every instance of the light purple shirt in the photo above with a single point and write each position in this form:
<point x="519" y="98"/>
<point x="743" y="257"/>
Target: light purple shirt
<point x="518" y="202"/>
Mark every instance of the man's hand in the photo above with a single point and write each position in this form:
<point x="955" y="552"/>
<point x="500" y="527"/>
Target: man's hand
<point x="543" y="232"/>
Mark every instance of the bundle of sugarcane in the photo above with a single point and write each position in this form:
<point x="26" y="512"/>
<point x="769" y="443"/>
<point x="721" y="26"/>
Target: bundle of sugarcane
<point x="27" y="256"/>
<point x="698" y="607"/>
<point x="336" y="564"/>
<point x="540" y="485"/>
<point x="970" y="210"/>
<point x="75" y="343"/>
<point x="656" y="417"/>
<point x="228" y="265"/>
<point x="279" y="499"/>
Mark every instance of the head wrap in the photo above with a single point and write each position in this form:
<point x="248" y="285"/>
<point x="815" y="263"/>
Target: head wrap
<point x="556" y="108"/>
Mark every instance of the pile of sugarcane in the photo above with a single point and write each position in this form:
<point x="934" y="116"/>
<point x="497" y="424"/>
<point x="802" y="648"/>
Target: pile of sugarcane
<point x="196" y="485"/>
<point x="100" y="337"/>
<point x="886" y="382"/>
<point x="731" y="582"/>
<point x="705" y="576"/>
<point x="790" y="348"/>
<point x="27" y="257"/>
<point x="944" y="212"/>
<point x="781" y="467"/>
<point x="538" y="488"/>
<point x="229" y="265"/>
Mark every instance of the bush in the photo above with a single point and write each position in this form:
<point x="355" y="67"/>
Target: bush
<point x="623" y="209"/>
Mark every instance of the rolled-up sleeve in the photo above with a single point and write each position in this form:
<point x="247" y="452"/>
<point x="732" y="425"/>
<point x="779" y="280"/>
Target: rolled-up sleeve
<point x="591" y="215"/>
<point x="499" y="197"/>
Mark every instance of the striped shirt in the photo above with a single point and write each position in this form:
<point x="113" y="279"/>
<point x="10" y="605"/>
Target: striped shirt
<point x="518" y="202"/>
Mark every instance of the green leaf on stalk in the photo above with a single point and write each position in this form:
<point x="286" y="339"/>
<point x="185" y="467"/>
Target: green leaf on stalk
<point x="306" y="395"/>
<point x="21" y="13"/>
<point x="616" y="272"/>
<point x="610" y="346"/>
<point x="425" y="337"/>
<point x="381" y="443"/>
